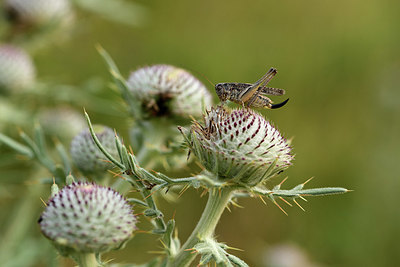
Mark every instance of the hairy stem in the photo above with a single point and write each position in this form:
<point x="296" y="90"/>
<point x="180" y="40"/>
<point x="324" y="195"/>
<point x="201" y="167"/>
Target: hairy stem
<point x="218" y="199"/>
<point x="86" y="260"/>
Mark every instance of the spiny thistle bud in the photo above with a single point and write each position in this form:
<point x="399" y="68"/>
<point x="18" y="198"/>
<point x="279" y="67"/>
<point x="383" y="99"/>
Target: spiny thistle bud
<point x="16" y="69"/>
<point x="87" y="218"/>
<point x="37" y="12"/>
<point x="165" y="90"/>
<point x="84" y="152"/>
<point x="239" y="146"/>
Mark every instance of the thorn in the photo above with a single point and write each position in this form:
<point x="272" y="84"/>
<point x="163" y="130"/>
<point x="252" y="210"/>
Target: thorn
<point x="162" y="243"/>
<point x="234" y="203"/>
<point x="283" y="180"/>
<point x="307" y="180"/>
<point x="193" y="119"/>
<point x="186" y="187"/>
<point x="228" y="208"/>
<point x="238" y="249"/>
<point x="199" y="165"/>
<point x="284" y="200"/>
<point x="105" y="160"/>
<point x="142" y="232"/>
<point x="303" y="198"/>
<point x="294" y="200"/>
<point x="173" y="215"/>
<point x="204" y="192"/>
<point x="134" y="191"/>
<point x="262" y="199"/>
<point x="44" y="203"/>
<point x="280" y="207"/>
<point x="150" y="194"/>
<point x="117" y="174"/>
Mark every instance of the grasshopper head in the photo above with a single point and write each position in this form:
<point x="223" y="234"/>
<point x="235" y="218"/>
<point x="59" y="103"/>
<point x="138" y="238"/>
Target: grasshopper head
<point x="222" y="90"/>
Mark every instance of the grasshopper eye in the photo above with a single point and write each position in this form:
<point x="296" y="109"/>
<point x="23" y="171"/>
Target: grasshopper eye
<point x="221" y="92"/>
<point x="219" y="88"/>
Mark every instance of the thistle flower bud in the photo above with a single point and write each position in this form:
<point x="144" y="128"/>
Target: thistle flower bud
<point x="85" y="154"/>
<point x="37" y="12"/>
<point x="239" y="146"/>
<point x="16" y="69"/>
<point x="166" y="90"/>
<point x="87" y="218"/>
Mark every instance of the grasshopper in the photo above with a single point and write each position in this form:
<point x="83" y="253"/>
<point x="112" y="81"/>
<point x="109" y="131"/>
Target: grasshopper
<point x="251" y="95"/>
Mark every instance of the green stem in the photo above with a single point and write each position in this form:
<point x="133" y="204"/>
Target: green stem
<point x="218" y="200"/>
<point x="20" y="220"/>
<point x="86" y="260"/>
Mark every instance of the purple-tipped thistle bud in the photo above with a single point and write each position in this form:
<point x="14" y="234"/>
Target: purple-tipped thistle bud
<point x="86" y="155"/>
<point x="16" y="69"/>
<point x="239" y="146"/>
<point x="166" y="90"/>
<point x="87" y="218"/>
<point x="38" y="12"/>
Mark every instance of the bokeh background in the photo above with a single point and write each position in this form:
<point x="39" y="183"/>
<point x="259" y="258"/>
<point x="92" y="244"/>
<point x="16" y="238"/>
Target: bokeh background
<point x="339" y="62"/>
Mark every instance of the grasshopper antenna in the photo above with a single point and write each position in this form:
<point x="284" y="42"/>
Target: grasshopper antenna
<point x="205" y="77"/>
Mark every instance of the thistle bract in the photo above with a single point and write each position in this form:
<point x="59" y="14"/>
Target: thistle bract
<point x="165" y="90"/>
<point x="85" y="217"/>
<point x="85" y="154"/>
<point x="239" y="146"/>
<point x="16" y="69"/>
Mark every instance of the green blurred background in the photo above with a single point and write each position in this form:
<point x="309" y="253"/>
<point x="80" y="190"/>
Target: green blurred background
<point x="339" y="62"/>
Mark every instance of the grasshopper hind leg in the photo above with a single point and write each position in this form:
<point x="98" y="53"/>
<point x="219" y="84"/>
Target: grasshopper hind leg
<point x="279" y="105"/>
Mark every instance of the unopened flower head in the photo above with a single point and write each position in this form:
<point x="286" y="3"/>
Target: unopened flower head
<point x="166" y="90"/>
<point x="16" y="69"/>
<point x="239" y="146"/>
<point x="38" y="12"/>
<point x="87" y="156"/>
<point x="85" y="217"/>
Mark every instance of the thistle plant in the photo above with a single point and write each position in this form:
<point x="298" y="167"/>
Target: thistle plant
<point x="233" y="169"/>
<point x="86" y="155"/>
<point x="238" y="146"/>
<point x="238" y="149"/>
<point x="159" y="97"/>
<point x="84" y="218"/>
